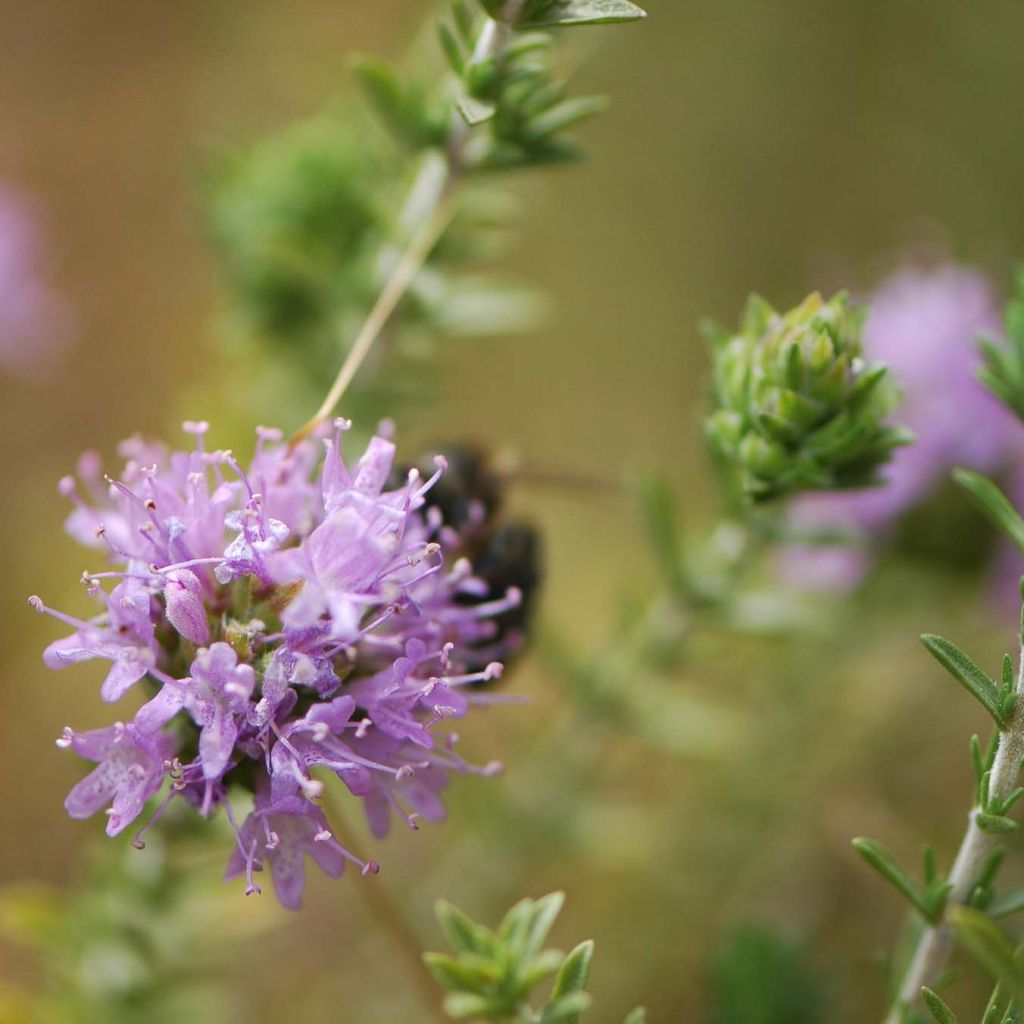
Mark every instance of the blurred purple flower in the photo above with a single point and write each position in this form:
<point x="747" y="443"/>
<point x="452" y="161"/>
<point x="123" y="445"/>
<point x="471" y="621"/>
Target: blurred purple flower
<point x="287" y="616"/>
<point x="923" y="324"/>
<point x="35" y="322"/>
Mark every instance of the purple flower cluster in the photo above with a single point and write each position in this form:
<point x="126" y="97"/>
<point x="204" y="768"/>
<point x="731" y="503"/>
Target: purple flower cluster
<point x="293" y="615"/>
<point x="924" y="325"/>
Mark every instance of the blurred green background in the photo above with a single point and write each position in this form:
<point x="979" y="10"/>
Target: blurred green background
<point x="775" y="147"/>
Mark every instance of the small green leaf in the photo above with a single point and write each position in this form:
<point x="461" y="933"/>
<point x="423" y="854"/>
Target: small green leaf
<point x="661" y="513"/>
<point x="974" y="679"/>
<point x="466" y="1006"/>
<point x="565" y="114"/>
<point x="575" y="970"/>
<point x="976" y="759"/>
<point x="545" y="910"/>
<point x="455" y="975"/>
<point x="452" y="50"/>
<point x="552" y="13"/>
<point x="940" y="1012"/>
<point x="638" y="1016"/>
<point x="401" y="109"/>
<point x="515" y="926"/>
<point x="991" y="500"/>
<point x="892" y="871"/>
<point x="381" y="85"/>
<point x="566" y="1010"/>
<point x="474" y="111"/>
<point x="541" y="967"/>
<point x="981" y="894"/>
<point x="994" y="823"/>
<point x="463" y="934"/>
<point x="1001" y="805"/>
<point x="987" y="943"/>
<point x="463" y="20"/>
<point x="1005" y="903"/>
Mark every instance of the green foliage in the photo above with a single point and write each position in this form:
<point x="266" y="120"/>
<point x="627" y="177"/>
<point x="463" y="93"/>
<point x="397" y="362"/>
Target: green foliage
<point x="290" y="215"/>
<point x="661" y="514"/>
<point x="928" y="898"/>
<point x="990" y="947"/>
<point x="494" y="974"/>
<point x="796" y="407"/>
<point x="404" y="108"/>
<point x="132" y="943"/>
<point x="991" y="500"/>
<point x="759" y="977"/>
<point x="1002" y="370"/>
<point x="1006" y="903"/>
<point x="512" y="102"/>
<point x="968" y="902"/>
<point x="940" y="1012"/>
<point x="300" y="219"/>
<point x="310" y="222"/>
<point x="307" y="225"/>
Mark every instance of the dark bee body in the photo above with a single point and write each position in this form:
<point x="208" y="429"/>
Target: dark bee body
<point x="504" y="555"/>
<point x="512" y="558"/>
<point x="469" y="493"/>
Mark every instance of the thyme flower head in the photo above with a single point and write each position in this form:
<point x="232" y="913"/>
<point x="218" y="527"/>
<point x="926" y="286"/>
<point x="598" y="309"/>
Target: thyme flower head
<point x="299" y="613"/>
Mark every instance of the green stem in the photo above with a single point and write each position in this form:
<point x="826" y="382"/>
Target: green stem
<point x="404" y="273"/>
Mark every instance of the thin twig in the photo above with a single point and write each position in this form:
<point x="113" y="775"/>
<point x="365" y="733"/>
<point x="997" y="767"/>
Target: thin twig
<point x="403" y="274"/>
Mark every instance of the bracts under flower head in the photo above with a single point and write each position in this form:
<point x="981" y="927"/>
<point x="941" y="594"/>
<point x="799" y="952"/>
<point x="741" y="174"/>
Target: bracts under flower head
<point x="297" y="614"/>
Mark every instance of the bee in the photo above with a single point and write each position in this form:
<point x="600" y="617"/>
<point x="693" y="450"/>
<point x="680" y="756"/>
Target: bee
<point x="468" y="495"/>
<point x="469" y="498"/>
<point x="512" y="558"/>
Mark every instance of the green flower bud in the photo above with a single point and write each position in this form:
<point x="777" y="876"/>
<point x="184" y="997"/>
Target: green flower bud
<point x="797" y="407"/>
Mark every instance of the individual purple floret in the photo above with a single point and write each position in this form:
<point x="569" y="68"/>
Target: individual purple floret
<point x="924" y="325"/>
<point x="130" y="769"/>
<point x="34" y="320"/>
<point x="291" y="616"/>
<point x="284" y="833"/>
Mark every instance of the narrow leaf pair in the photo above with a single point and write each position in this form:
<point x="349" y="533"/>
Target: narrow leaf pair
<point x="998" y="700"/>
<point x="929" y="898"/>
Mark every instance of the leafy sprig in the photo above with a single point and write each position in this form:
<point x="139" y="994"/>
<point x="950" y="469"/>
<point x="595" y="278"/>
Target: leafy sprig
<point x="141" y="938"/>
<point x="493" y="975"/>
<point x="940" y="898"/>
<point x="966" y="902"/>
<point x="313" y="223"/>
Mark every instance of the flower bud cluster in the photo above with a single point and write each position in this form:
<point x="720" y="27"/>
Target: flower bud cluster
<point x="797" y="407"/>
